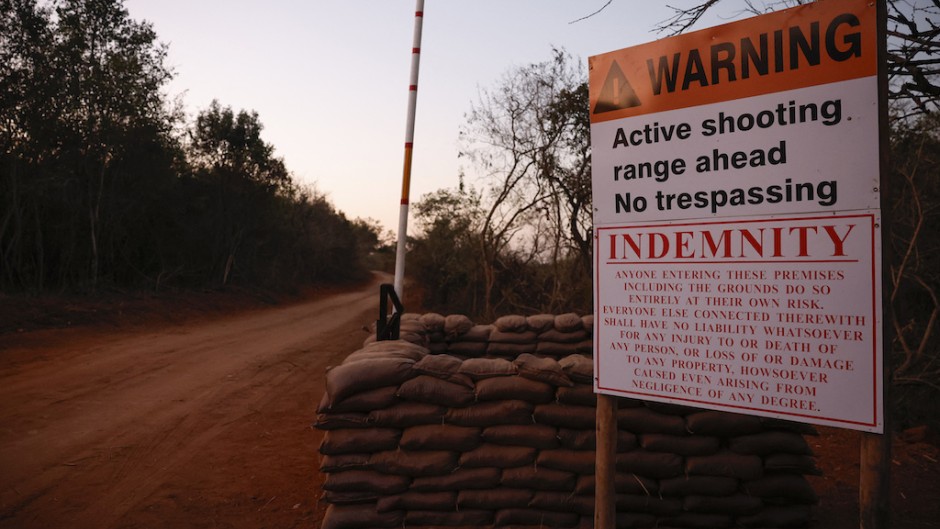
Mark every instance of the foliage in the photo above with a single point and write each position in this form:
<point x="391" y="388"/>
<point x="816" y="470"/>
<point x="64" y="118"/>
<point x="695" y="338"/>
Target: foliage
<point x="96" y="188"/>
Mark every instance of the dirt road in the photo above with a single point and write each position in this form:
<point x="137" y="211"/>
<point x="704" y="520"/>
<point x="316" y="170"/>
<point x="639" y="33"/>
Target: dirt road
<point x="197" y="425"/>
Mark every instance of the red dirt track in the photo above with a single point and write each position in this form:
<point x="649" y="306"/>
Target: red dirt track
<point x="207" y="424"/>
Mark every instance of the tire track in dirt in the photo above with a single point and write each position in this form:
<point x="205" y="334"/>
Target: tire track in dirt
<point x="97" y="429"/>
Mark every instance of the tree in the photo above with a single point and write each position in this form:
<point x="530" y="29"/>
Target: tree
<point x="528" y="139"/>
<point x="80" y="107"/>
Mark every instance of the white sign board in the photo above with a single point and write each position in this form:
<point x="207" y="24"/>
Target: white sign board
<point x="737" y="223"/>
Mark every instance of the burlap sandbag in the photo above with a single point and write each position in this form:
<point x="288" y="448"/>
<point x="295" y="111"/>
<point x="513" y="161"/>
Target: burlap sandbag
<point x="433" y="322"/>
<point x="577" y="461"/>
<point x="405" y="414"/>
<point x="726" y="464"/>
<point x="783" y="516"/>
<point x="418" y="501"/>
<point x="579" y="395"/>
<point x="565" y="416"/>
<point x="493" y="499"/>
<point x="657" y="465"/>
<point x="514" y="388"/>
<point x="624" y="483"/>
<point x="340" y="421"/>
<point x="365" y="401"/>
<point x="365" y="481"/>
<point x="571" y="337"/>
<point x="722" y="424"/>
<point x="345" y="380"/>
<point x="359" y="517"/>
<point x="644" y="420"/>
<point x="562" y="502"/>
<point x="632" y="520"/>
<point x="538" y="478"/>
<point x="491" y="414"/>
<point x="647" y="503"/>
<point x="338" y="442"/>
<point x="696" y="445"/>
<point x="339" y="463"/>
<point x="443" y="366"/>
<point x="540" y="322"/>
<point x="579" y="368"/>
<point x="460" y="479"/>
<point x="691" y="520"/>
<point x="433" y="390"/>
<point x="441" y="437"/>
<point x="790" y="487"/>
<point x="568" y="322"/>
<point x="414" y="463"/>
<point x="350" y="498"/>
<point x="479" y="368"/>
<point x="462" y="518"/>
<point x="497" y="456"/>
<point x="511" y="323"/>
<point x="542" y="369"/>
<point x="698" y="485"/>
<point x="736" y="504"/>
<point x="535" y="517"/>
<point x="531" y="435"/>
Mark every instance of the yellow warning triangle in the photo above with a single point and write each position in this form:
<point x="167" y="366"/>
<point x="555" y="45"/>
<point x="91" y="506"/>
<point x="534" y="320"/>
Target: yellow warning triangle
<point x="616" y="94"/>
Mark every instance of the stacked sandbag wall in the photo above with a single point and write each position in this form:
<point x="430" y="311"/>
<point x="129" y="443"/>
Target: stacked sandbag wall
<point x="460" y="424"/>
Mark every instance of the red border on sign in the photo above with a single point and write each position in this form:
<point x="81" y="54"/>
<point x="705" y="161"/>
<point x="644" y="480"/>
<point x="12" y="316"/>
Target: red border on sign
<point x="710" y="404"/>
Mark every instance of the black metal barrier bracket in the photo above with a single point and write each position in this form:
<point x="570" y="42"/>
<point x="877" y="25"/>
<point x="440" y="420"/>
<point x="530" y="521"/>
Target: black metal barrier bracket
<point x="387" y="327"/>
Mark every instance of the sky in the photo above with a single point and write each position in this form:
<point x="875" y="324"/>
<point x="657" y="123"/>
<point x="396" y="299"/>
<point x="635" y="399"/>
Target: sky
<point x="329" y="78"/>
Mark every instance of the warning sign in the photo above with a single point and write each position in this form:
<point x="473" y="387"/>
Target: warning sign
<point x="816" y="44"/>
<point x="736" y="189"/>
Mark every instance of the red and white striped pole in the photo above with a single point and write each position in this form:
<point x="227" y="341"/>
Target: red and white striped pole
<point x="409" y="145"/>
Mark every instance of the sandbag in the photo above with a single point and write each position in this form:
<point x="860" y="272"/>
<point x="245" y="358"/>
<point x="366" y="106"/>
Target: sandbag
<point x="414" y="464"/>
<point x="669" y="408"/>
<point x="543" y="369"/>
<point x="433" y="390"/>
<point x="588" y="322"/>
<point x="735" y="504"/>
<point x="364" y="401"/>
<point x="510" y="350"/>
<point x="725" y="464"/>
<point x="407" y="414"/>
<point x="658" y="465"/>
<point x="443" y="366"/>
<point x="418" y="501"/>
<point x="365" y="481"/>
<point x="493" y="499"/>
<point x="579" y="368"/>
<point x="554" y="335"/>
<point x="538" y="478"/>
<point x="350" y="498"/>
<point x="765" y="443"/>
<point x="577" y="461"/>
<point x="339" y="421"/>
<point x="647" y="503"/>
<point x="346" y="380"/>
<point x="531" y="435"/>
<point x="467" y="349"/>
<point x="460" y="479"/>
<point x="433" y="322"/>
<point x="440" y="437"/>
<point x="644" y="420"/>
<point x="511" y="323"/>
<point x="558" y="350"/>
<point x="465" y="518"/>
<point x="579" y="395"/>
<point x="456" y="325"/>
<point x="338" y="442"/>
<point x="339" y="463"/>
<point x="392" y="348"/>
<point x="722" y="424"/>
<point x="491" y="414"/>
<point x="537" y="517"/>
<point x="359" y="517"/>
<point x="478" y="368"/>
<point x="698" y="485"/>
<point x="624" y="483"/>
<point x="514" y="388"/>
<point x="562" y="502"/>
<point x="540" y="322"/>
<point x="565" y="416"/>
<point x="633" y="520"/>
<point x="697" y="445"/>
<point x="497" y="456"/>
<point x="568" y="322"/>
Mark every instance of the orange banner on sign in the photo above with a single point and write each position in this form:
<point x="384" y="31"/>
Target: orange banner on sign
<point x="824" y="42"/>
